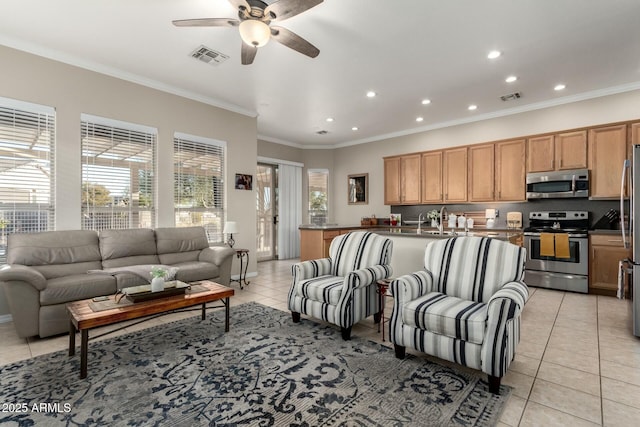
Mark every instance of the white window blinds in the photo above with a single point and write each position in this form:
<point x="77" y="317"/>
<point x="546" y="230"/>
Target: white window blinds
<point x="118" y="175"/>
<point x="199" y="184"/>
<point x="27" y="140"/>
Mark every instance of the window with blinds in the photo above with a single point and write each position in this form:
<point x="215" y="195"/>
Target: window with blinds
<point x="318" y="187"/>
<point x="199" y="184"/>
<point x="27" y="140"/>
<point x="118" y="174"/>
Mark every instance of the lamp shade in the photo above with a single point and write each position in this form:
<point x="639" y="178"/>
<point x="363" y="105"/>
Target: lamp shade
<point x="230" y="227"/>
<point x="254" y="33"/>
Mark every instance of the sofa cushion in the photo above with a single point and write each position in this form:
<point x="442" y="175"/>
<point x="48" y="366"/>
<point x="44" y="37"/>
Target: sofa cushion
<point x="76" y="287"/>
<point x="179" y="257"/>
<point x="127" y="243"/>
<point x="55" y="253"/>
<point x="181" y="239"/>
<point x="358" y="249"/>
<point x="448" y="316"/>
<point x="196" y="270"/>
<point x="326" y="289"/>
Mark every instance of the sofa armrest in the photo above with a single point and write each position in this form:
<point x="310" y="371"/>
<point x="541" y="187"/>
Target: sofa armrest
<point x="221" y="256"/>
<point x="367" y="276"/>
<point x="216" y="254"/>
<point x="508" y="300"/>
<point x="309" y="269"/>
<point x="23" y="273"/>
<point x="411" y="286"/>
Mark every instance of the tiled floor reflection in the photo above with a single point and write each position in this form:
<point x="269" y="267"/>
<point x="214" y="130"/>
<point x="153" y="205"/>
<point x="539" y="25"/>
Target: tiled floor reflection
<point x="577" y="363"/>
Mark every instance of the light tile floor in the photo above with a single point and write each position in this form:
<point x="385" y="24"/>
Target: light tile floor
<point x="577" y="363"/>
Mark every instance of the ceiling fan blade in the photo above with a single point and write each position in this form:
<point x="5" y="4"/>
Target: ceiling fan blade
<point x="207" y="22"/>
<point x="294" y="41"/>
<point x="248" y="53"/>
<point x="283" y="9"/>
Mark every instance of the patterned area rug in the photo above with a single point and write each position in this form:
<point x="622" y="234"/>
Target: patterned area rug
<point x="267" y="371"/>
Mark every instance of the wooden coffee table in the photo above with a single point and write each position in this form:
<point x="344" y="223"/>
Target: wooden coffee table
<point x="83" y="318"/>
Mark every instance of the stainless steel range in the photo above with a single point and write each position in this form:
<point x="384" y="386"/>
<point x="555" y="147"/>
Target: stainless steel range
<point x="546" y="266"/>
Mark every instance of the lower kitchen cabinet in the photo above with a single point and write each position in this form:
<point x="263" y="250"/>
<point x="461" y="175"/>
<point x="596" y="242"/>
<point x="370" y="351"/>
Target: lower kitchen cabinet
<point x="314" y="244"/>
<point x="605" y="251"/>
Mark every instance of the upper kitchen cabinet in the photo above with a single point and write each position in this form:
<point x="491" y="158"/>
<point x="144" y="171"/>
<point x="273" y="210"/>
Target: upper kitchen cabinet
<point x="481" y="173"/>
<point x="510" y="170"/>
<point x="432" y="177"/>
<point x="402" y="180"/>
<point x="454" y="171"/>
<point x="607" y="152"/>
<point x="557" y="152"/>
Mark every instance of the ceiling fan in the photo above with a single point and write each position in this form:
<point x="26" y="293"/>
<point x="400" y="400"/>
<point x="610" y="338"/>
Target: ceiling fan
<point x="255" y="25"/>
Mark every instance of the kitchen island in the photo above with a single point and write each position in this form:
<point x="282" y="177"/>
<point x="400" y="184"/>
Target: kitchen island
<point x="408" y="244"/>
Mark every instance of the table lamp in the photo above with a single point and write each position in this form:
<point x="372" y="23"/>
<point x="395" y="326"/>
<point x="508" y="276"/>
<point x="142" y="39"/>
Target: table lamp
<point x="230" y="227"/>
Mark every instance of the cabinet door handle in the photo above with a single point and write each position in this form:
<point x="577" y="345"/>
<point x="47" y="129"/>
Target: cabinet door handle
<point x="615" y="240"/>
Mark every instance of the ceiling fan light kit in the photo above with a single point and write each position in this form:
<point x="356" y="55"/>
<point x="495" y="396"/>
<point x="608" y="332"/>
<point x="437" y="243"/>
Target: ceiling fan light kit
<point x="254" y="24"/>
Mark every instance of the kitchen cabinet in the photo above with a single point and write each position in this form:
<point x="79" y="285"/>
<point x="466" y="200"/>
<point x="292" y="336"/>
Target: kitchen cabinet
<point x="481" y="173"/>
<point x="402" y="180"/>
<point x="604" y="253"/>
<point x="562" y="151"/>
<point x="510" y="170"/>
<point x="454" y="171"/>
<point x="432" y="177"/>
<point x="315" y="243"/>
<point x="607" y="151"/>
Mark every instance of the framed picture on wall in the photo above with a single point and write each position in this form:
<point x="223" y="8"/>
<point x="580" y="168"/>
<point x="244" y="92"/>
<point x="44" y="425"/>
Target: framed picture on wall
<point x="358" y="189"/>
<point x="244" y="182"/>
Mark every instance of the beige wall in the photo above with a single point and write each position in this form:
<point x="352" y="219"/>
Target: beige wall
<point x="367" y="158"/>
<point x="73" y="91"/>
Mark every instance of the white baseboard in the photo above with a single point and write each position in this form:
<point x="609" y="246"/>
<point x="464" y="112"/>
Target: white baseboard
<point x="237" y="276"/>
<point x="5" y="318"/>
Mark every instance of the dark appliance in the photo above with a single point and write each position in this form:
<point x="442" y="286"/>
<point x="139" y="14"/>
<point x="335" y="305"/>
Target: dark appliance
<point x="567" y="273"/>
<point x="558" y="184"/>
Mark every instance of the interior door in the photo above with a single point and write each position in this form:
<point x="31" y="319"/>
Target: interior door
<point x="267" y="212"/>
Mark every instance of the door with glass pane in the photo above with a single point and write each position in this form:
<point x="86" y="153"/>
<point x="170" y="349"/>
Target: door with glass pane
<point x="267" y="211"/>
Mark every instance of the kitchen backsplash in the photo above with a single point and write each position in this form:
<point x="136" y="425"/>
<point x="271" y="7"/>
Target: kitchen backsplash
<point x="596" y="208"/>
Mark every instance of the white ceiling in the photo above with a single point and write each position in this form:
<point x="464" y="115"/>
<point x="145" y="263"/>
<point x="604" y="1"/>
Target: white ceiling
<point x="405" y="50"/>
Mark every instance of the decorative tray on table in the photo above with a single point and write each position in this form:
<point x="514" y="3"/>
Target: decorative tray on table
<point x="143" y="292"/>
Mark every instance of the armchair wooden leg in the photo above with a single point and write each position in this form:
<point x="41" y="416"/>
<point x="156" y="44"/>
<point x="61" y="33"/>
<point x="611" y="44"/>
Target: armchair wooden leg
<point x="494" y="384"/>
<point x="346" y="333"/>
<point x="377" y="317"/>
<point x="401" y="351"/>
<point x="295" y="316"/>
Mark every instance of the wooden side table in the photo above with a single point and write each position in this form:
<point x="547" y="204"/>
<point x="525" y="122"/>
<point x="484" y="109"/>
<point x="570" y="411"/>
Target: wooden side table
<point x="383" y="288"/>
<point x="242" y="255"/>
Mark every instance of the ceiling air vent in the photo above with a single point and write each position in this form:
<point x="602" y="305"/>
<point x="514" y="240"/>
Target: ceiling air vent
<point x="322" y="132"/>
<point x="511" y="96"/>
<point x="209" y="56"/>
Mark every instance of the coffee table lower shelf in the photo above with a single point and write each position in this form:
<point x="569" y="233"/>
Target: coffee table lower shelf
<point x="82" y="318"/>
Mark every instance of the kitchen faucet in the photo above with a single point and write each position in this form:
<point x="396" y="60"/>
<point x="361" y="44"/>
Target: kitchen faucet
<point x="420" y="222"/>
<point x="443" y="210"/>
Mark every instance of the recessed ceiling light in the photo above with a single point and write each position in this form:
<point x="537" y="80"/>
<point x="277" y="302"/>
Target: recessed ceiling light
<point x="371" y="94"/>
<point x="494" y="54"/>
<point x="419" y="119"/>
<point x="329" y="119"/>
<point x="354" y="128"/>
<point x="511" y="79"/>
<point x="472" y="107"/>
<point x="426" y="101"/>
<point x="559" y="87"/>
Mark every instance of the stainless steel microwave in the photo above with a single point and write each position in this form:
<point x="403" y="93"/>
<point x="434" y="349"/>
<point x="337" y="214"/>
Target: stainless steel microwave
<point x="558" y="184"/>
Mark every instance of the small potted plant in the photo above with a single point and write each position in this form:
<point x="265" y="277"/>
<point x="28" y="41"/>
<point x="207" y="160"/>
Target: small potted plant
<point x="158" y="276"/>
<point x="433" y="216"/>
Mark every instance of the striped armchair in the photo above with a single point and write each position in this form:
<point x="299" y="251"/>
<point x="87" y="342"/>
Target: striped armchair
<point x="342" y="289"/>
<point x="465" y="307"/>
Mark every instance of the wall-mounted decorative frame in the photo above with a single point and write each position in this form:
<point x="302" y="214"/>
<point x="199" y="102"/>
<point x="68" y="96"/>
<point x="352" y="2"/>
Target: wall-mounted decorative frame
<point x="358" y="189"/>
<point x="244" y="182"/>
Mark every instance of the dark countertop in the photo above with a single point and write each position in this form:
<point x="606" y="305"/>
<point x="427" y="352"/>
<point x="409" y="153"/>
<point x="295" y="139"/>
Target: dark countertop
<point x="412" y="231"/>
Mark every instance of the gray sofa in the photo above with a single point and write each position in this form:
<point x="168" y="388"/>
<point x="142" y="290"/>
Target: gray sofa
<point x="47" y="270"/>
